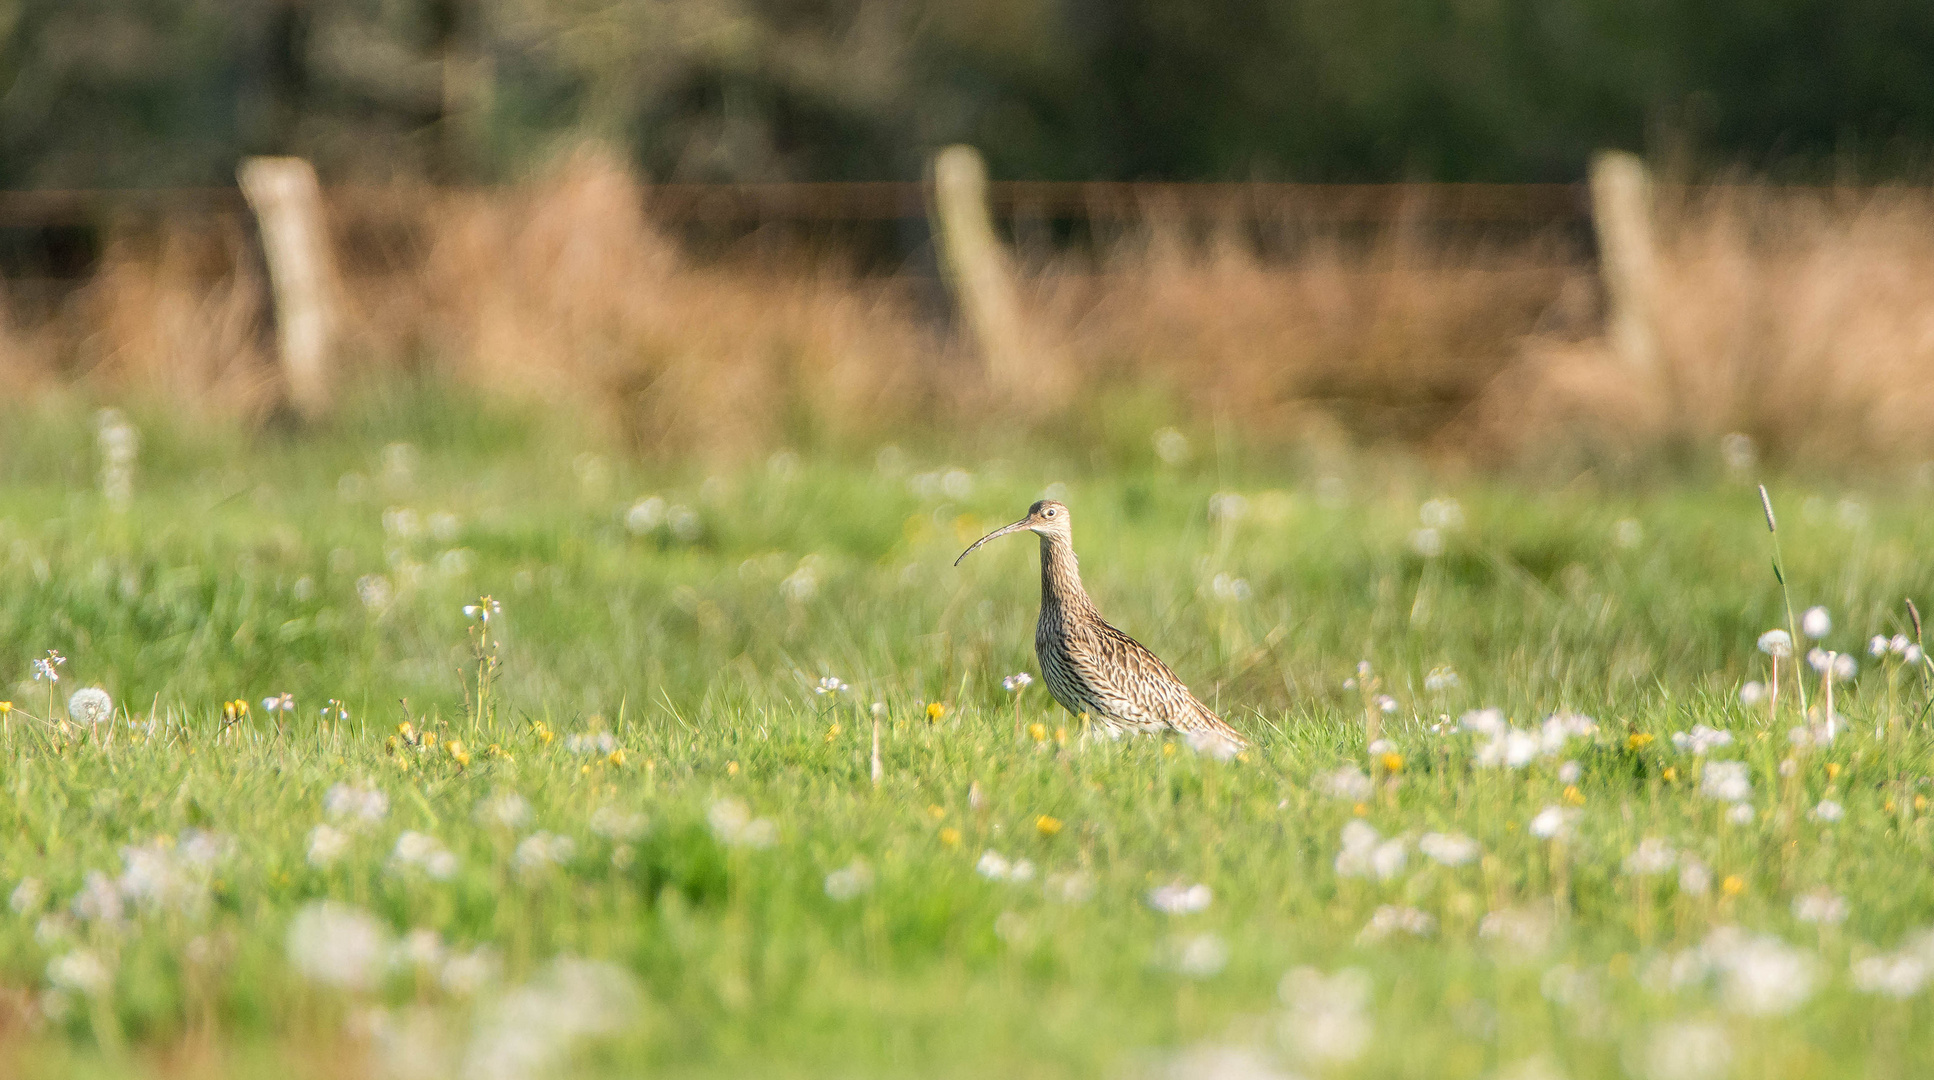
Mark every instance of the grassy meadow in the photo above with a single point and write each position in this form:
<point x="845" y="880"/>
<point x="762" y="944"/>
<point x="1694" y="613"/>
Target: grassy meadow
<point x="627" y="827"/>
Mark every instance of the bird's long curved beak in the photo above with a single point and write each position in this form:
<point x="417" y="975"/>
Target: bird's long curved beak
<point x="1002" y="531"/>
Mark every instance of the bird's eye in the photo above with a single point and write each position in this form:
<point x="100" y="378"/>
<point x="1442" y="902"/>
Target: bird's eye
<point x="1049" y="512"/>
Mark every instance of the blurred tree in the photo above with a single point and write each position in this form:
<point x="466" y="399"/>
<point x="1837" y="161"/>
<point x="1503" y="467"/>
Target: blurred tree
<point x="129" y="92"/>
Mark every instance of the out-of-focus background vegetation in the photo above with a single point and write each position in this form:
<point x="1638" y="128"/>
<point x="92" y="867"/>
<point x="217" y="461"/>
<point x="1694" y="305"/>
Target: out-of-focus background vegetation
<point x="498" y="179"/>
<point x="117" y="93"/>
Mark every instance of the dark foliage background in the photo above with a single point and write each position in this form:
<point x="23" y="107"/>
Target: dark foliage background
<point x="150" y="92"/>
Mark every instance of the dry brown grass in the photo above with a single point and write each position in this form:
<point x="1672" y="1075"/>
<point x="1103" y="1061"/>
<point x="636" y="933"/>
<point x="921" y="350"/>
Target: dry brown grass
<point x="1801" y="318"/>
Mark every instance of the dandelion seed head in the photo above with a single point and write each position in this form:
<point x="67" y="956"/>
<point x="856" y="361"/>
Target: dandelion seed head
<point x="90" y="706"/>
<point x="1816" y="623"/>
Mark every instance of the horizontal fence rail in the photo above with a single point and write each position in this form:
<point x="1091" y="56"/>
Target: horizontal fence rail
<point x="862" y="201"/>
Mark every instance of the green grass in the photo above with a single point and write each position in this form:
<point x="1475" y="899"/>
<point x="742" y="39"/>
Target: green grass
<point x="241" y="569"/>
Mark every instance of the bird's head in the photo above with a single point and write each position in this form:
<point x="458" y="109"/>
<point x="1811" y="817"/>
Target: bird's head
<point x="1045" y="518"/>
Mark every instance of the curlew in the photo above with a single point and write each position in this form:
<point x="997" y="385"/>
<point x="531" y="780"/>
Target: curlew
<point x="1095" y="670"/>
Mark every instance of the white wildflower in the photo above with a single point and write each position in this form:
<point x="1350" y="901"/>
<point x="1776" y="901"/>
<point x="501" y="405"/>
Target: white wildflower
<point x="541" y="851"/>
<point x="732" y="823"/>
<point x="1020" y="680"/>
<point x="1828" y="811"/>
<point x="1821" y="907"/>
<point x="1450" y="849"/>
<point x="1171" y="446"/>
<point x="504" y="810"/>
<point x="1701" y="739"/>
<point x="1896" y="975"/>
<point x="1694" y="878"/>
<point x="355" y="805"/>
<point x="1727" y="781"/>
<point x="1325" y="1017"/>
<point x="1553" y="823"/>
<point x="829" y="685"/>
<point x="1179" y="899"/>
<point x="1427" y="542"/>
<point x="1752" y="694"/>
<point x="598" y="743"/>
<point x="1198" y="956"/>
<point x="339" y="945"/>
<point x="81" y="971"/>
<point x="1776" y="643"/>
<point x="1652" y="856"/>
<point x="1816" y="623"/>
<point x="849" y="881"/>
<point x="1365" y="853"/>
<point x="1347" y="782"/>
<point x="421" y="851"/>
<point x="1569" y="772"/>
<point x="535" y="1028"/>
<point x="326" y="844"/>
<point x="1394" y="919"/>
<point x="615" y="824"/>
<point x="90" y="706"/>
<point x="1691" y="1050"/>
<point x="1742" y="814"/>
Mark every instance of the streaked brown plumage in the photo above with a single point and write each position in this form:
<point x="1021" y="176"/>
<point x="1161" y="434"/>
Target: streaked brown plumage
<point x="1094" y="669"/>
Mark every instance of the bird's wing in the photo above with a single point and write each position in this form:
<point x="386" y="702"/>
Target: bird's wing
<point x="1156" y="690"/>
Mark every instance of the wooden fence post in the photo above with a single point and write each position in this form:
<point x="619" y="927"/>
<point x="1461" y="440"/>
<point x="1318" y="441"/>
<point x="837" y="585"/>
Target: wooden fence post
<point x="1627" y="256"/>
<point x="977" y="266"/>
<point x="287" y="203"/>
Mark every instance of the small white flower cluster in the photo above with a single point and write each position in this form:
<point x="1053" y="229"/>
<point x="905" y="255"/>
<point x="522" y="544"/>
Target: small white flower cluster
<point x="1899" y="974"/>
<point x="1554" y="823"/>
<point x="1441" y="678"/>
<point x="119" y="443"/>
<point x="599" y="743"/>
<point x="1394" y="919"/>
<point x="1194" y="956"/>
<point x="1726" y="781"/>
<point x="1899" y="647"/>
<point x="1757" y="974"/>
<point x="1325" y="1019"/>
<point x="652" y="513"/>
<point x="1820" y="907"/>
<point x="504" y="810"/>
<point x="1701" y="739"/>
<point x="540" y="851"/>
<point x="1179" y="899"/>
<point x="733" y="824"/>
<point x="994" y="866"/>
<point x="1513" y="747"/>
<point x="619" y="825"/>
<point x="1017" y="682"/>
<point x="1449" y="849"/>
<point x="849" y="881"/>
<point x="1366" y="854"/>
<point x="1834" y="665"/>
<point x="1347" y="782"/>
<point x="830" y="685"/>
<point x="421" y="851"/>
<point x="952" y="483"/>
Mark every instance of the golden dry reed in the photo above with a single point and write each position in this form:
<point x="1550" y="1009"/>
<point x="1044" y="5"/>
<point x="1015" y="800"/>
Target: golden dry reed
<point x="1801" y="318"/>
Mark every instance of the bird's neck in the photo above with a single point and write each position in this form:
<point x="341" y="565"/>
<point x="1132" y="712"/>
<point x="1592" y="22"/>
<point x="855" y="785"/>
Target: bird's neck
<point x="1060" y="576"/>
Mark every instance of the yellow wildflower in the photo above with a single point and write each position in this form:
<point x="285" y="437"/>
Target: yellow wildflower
<point x="5" y="707"/>
<point x="1920" y="802"/>
<point x="832" y="733"/>
<point x="617" y="757"/>
<point x="1061" y="736"/>
<point x="1360" y="810"/>
<point x="1392" y="762"/>
<point x="1574" y="796"/>
<point x="1047" y="825"/>
<point x="1670" y="774"/>
<point x="1637" y="740"/>
<point x="456" y="751"/>
<point x="731" y="768"/>
<point x="1168" y="749"/>
<point x="935" y="710"/>
<point x="1833" y="770"/>
<point x="1038" y="732"/>
<point x="950" y="836"/>
<point x="936" y="811"/>
<point x="543" y="732"/>
<point x="1733" y="885"/>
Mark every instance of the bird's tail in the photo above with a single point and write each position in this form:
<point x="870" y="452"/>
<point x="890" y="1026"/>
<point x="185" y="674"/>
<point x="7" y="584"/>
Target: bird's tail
<point x="1210" y="734"/>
